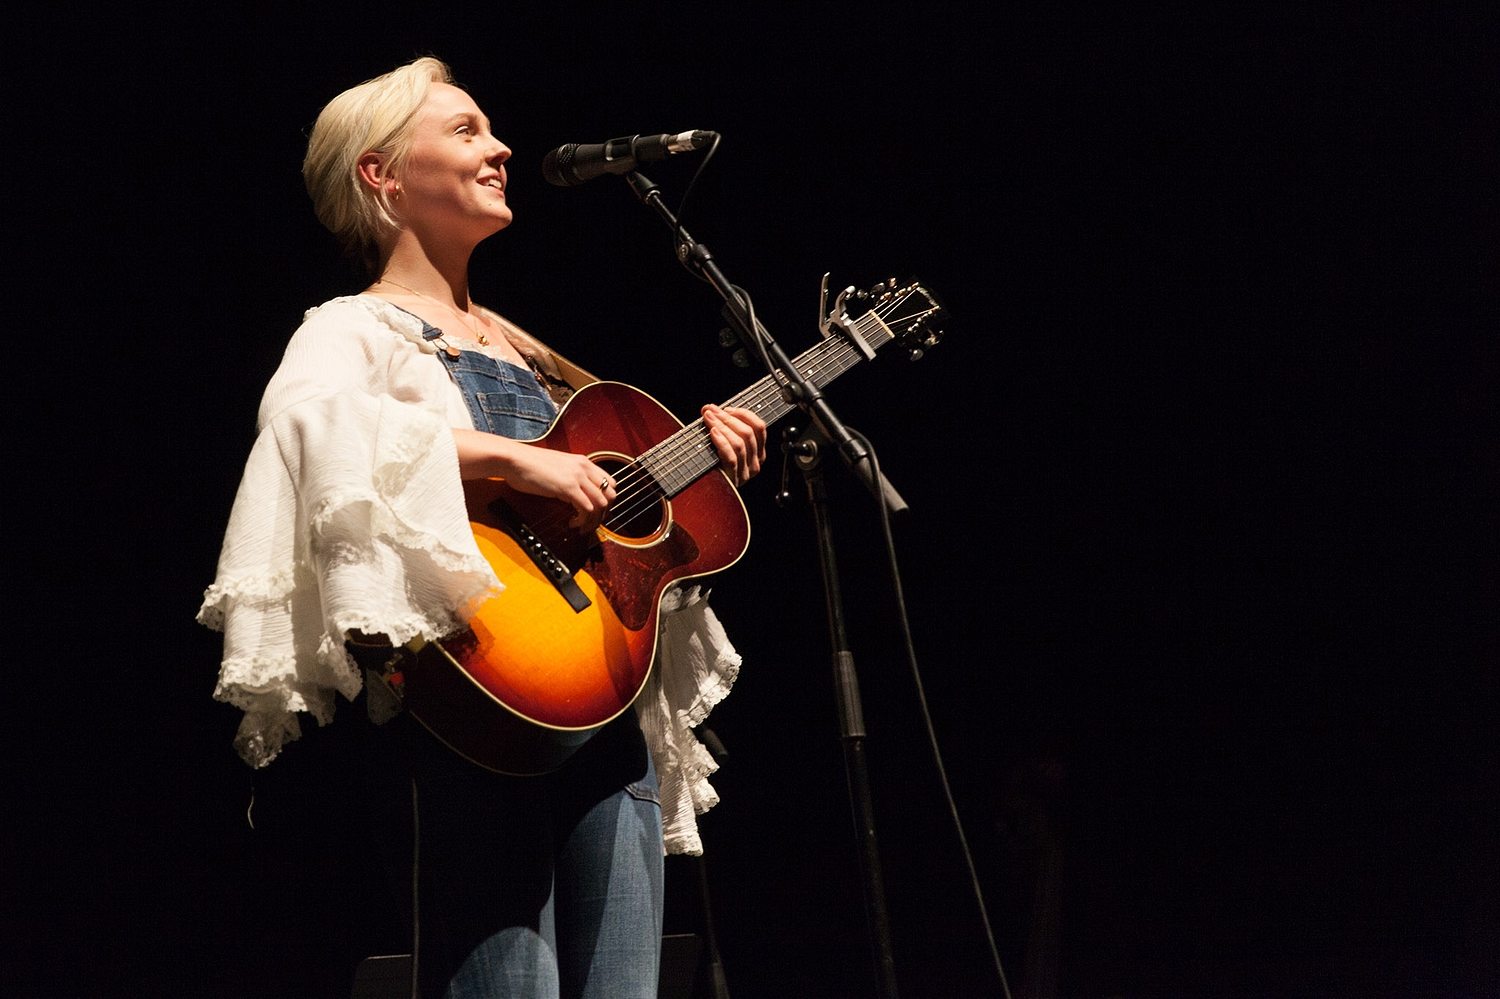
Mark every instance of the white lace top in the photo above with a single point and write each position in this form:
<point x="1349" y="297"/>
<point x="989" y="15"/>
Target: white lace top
<point x="351" y="516"/>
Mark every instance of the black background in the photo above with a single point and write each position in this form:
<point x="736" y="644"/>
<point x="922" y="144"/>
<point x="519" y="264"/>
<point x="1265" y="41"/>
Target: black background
<point x="1201" y="558"/>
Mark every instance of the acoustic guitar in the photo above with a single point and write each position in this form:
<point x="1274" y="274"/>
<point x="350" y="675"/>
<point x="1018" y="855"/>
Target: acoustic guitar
<point x="569" y="643"/>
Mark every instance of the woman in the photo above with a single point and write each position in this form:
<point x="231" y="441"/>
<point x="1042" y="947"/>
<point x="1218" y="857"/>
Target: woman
<point x="349" y="525"/>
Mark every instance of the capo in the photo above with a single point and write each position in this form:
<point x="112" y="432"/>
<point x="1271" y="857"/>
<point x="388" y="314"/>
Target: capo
<point x="837" y="320"/>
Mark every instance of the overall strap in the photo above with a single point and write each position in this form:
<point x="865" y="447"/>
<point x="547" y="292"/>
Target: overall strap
<point x="560" y="376"/>
<point x="501" y="397"/>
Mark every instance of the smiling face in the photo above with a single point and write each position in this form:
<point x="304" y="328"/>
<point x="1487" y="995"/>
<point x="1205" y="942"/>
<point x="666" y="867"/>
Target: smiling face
<point x="453" y="181"/>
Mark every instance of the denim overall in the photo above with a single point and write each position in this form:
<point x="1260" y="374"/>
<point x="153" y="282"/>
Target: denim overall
<point x="537" y="886"/>
<point x="502" y="398"/>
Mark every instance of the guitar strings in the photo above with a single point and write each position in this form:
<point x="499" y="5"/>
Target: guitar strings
<point x="680" y="450"/>
<point x="835" y="354"/>
<point x="671" y="455"/>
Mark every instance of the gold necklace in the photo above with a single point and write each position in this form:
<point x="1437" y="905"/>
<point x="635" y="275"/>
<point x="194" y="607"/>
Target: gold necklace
<point x="463" y="317"/>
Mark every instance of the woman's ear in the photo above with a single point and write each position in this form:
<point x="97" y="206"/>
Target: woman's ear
<point x="372" y="172"/>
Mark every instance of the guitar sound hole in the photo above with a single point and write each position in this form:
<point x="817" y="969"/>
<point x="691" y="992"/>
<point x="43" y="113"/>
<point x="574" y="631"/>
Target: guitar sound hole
<point x="639" y="511"/>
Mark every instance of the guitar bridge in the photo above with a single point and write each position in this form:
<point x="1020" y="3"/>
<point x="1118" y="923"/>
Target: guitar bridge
<point x="553" y="568"/>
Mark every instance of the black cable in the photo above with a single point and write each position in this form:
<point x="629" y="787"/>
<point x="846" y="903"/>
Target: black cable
<point x="416" y="931"/>
<point x="758" y="341"/>
<point x="932" y="740"/>
<point x="682" y="202"/>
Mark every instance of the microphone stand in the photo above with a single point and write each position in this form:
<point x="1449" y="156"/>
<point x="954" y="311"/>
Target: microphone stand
<point x="830" y="431"/>
<point x="794" y="389"/>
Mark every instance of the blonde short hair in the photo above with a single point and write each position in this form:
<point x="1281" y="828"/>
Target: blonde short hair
<point x="377" y="116"/>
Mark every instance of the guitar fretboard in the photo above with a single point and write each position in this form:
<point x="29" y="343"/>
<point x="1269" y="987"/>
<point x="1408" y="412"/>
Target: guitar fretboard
<point x="689" y="454"/>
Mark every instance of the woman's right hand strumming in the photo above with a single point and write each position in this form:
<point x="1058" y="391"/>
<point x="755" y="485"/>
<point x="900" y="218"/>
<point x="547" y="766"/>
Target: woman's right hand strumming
<point x="540" y="471"/>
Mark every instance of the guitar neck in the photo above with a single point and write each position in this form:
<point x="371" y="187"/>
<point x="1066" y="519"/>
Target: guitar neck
<point x="689" y="454"/>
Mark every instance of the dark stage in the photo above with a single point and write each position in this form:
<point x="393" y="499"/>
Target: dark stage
<point x="1202" y="554"/>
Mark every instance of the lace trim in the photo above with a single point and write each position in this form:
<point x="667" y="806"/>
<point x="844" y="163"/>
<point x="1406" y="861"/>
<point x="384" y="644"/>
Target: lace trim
<point x="397" y="319"/>
<point x="697" y="668"/>
<point x="719" y="676"/>
<point x="262" y="734"/>
<point x="258" y="590"/>
<point x="270" y="592"/>
<point x="386" y="524"/>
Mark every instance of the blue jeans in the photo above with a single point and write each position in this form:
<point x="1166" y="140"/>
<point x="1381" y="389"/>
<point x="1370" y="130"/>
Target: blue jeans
<point x="541" y="886"/>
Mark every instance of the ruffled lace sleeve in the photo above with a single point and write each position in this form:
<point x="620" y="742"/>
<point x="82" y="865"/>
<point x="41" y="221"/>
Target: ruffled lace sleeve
<point x="350" y="516"/>
<point x="695" y="667"/>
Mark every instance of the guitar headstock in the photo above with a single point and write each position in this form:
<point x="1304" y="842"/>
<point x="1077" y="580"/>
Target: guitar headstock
<point x="911" y="311"/>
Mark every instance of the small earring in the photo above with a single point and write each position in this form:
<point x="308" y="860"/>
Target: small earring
<point x="395" y="192"/>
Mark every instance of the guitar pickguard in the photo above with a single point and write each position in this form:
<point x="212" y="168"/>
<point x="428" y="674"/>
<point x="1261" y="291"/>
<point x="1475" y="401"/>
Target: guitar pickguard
<point x="627" y="575"/>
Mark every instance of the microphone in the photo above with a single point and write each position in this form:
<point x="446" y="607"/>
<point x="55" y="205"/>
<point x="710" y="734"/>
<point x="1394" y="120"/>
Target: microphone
<point x="573" y="164"/>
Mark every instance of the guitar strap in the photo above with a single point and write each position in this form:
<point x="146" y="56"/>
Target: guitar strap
<point x="558" y="375"/>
